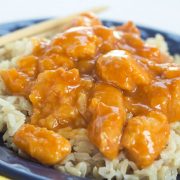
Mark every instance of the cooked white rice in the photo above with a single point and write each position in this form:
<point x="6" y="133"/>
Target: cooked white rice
<point x="85" y="160"/>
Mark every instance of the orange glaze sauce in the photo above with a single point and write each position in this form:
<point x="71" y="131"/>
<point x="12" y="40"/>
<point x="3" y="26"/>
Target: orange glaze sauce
<point x="107" y="80"/>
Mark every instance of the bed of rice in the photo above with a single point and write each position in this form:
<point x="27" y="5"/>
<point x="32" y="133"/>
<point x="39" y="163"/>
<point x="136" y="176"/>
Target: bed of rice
<point x="85" y="160"/>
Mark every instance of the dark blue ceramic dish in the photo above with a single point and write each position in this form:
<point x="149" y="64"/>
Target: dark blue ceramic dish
<point x="15" y="167"/>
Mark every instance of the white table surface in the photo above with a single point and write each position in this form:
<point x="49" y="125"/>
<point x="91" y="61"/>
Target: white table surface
<point x="161" y="14"/>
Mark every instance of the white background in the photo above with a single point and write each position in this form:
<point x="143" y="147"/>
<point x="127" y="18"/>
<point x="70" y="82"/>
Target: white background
<point x="161" y="14"/>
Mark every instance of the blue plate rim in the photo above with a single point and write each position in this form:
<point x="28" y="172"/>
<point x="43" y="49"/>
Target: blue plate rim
<point x="114" y="21"/>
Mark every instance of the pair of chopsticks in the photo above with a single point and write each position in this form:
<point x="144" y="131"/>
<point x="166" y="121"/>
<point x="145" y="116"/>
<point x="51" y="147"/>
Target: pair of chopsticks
<point x="42" y="28"/>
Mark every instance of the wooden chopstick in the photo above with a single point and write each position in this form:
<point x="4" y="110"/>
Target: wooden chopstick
<point x="42" y="27"/>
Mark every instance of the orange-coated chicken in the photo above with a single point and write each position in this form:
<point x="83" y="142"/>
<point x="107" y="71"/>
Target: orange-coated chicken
<point x="108" y="118"/>
<point x="144" y="137"/>
<point x="120" y="68"/>
<point x="16" y="82"/>
<point x="54" y="97"/>
<point x="41" y="144"/>
<point x="78" y="42"/>
<point x="86" y="19"/>
<point x="29" y="66"/>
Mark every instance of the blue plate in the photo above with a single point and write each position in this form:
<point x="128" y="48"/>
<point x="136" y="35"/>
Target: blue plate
<point x="15" y="167"/>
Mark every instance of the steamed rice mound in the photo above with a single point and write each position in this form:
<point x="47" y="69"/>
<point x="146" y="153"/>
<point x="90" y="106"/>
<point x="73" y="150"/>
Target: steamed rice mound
<point x="85" y="160"/>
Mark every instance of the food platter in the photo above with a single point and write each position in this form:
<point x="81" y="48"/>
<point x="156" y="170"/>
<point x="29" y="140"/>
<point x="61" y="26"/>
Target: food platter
<point x="17" y="168"/>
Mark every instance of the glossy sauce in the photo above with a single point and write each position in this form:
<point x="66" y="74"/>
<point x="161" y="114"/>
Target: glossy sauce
<point x="93" y="77"/>
<point x="144" y="138"/>
<point x="46" y="146"/>
<point x="108" y="118"/>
